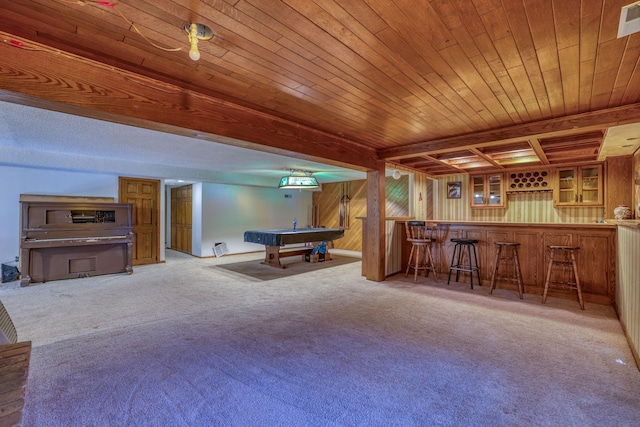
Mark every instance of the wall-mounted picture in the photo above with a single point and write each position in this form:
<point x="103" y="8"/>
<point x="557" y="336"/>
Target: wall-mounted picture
<point x="453" y="190"/>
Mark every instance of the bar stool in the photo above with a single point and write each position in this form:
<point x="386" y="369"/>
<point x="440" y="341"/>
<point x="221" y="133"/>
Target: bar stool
<point x="419" y="235"/>
<point x="472" y="263"/>
<point x="506" y="257"/>
<point x="565" y="258"/>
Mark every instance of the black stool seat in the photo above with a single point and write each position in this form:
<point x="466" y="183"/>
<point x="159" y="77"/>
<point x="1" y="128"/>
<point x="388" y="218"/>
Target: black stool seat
<point x="467" y="241"/>
<point x="505" y="257"/>
<point x="458" y="265"/>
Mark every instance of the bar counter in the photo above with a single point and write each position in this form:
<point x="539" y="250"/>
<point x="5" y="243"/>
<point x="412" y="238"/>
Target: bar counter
<point x="596" y="258"/>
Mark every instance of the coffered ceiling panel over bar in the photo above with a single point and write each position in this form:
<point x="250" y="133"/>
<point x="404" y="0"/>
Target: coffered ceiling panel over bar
<point x="408" y="80"/>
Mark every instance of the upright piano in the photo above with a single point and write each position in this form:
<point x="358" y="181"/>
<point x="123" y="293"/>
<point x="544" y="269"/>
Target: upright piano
<point x="64" y="240"/>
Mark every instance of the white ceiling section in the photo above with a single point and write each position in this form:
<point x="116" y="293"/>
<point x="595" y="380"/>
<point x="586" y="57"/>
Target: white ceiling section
<point x="41" y="138"/>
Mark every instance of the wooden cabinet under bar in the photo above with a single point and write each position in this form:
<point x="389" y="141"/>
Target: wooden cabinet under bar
<point x="596" y="258"/>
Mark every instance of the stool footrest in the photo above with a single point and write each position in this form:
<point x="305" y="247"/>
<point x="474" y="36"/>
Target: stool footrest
<point x="567" y="263"/>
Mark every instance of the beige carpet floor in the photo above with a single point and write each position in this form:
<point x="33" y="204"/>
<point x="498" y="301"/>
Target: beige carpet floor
<point x="185" y="344"/>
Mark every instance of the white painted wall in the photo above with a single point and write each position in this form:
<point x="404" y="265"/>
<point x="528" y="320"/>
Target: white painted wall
<point x="17" y="180"/>
<point x="23" y="180"/>
<point x="196" y="219"/>
<point x="221" y="212"/>
<point x="229" y="210"/>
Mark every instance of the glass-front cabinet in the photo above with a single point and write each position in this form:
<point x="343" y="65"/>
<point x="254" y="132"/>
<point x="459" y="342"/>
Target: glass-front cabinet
<point x="487" y="191"/>
<point x="579" y="186"/>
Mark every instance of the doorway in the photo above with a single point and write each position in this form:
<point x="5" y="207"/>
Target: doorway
<point x="181" y="220"/>
<point x="144" y="195"/>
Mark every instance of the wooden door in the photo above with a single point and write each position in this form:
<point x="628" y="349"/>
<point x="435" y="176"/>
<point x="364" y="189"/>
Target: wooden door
<point x="144" y="195"/>
<point x="181" y="223"/>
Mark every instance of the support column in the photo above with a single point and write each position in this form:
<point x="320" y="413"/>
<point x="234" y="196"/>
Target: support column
<point x="373" y="253"/>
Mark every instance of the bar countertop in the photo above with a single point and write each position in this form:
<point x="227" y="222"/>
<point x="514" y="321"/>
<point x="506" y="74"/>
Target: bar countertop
<point x="628" y="223"/>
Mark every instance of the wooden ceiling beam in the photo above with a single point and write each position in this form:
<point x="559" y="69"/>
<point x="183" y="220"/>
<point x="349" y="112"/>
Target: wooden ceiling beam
<point x="568" y="125"/>
<point x="487" y="158"/>
<point x="535" y="144"/>
<point x="39" y="76"/>
<point x="450" y="166"/>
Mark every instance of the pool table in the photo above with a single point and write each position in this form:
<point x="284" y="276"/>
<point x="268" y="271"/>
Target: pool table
<point x="274" y="240"/>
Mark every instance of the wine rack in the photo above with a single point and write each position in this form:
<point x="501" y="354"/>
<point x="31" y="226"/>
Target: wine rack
<point x="534" y="180"/>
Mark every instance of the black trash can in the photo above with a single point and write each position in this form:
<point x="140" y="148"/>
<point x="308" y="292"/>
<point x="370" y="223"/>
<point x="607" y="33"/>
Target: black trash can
<point x="10" y="272"/>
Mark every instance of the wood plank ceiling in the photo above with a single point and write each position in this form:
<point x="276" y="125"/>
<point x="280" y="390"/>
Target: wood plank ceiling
<point x="437" y="86"/>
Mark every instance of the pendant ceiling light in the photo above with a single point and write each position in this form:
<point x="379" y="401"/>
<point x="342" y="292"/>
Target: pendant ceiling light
<point x="197" y="32"/>
<point x="293" y="182"/>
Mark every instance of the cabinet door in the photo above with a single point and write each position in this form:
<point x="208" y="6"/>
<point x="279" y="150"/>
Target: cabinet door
<point x="580" y="186"/>
<point x="591" y="187"/>
<point x="567" y="189"/>
<point x="478" y="195"/>
<point x="487" y="191"/>
<point x="494" y="183"/>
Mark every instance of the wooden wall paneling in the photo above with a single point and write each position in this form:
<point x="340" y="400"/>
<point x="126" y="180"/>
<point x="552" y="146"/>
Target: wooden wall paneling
<point x="627" y="291"/>
<point x="397" y="197"/>
<point x="326" y="204"/>
<point x="619" y="185"/>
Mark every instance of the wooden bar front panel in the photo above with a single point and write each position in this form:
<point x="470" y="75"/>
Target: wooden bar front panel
<point x="596" y="258"/>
